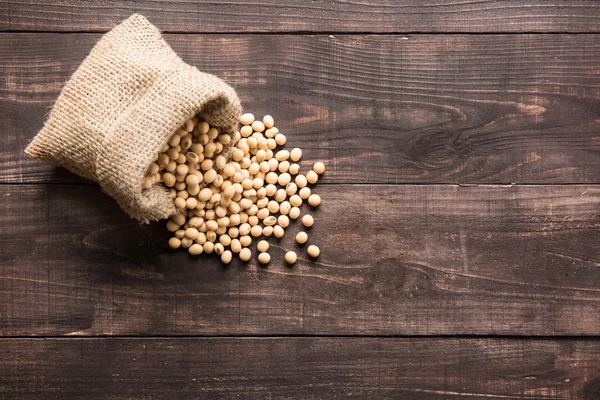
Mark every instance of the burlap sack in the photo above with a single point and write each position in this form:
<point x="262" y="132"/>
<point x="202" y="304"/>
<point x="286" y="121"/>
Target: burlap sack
<point x="121" y="105"/>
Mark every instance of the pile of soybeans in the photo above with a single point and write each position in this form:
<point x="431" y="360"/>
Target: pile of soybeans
<point x="224" y="205"/>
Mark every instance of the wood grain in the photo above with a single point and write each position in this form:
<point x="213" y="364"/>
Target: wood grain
<point x="378" y="109"/>
<point x="395" y="260"/>
<point x="299" y="368"/>
<point x="381" y="16"/>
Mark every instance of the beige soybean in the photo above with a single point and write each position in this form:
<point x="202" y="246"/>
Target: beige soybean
<point x="273" y="164"/>
<point x="220" y="162"/>
<point x="280" y="195"/>
<point x="264" y="166"/>
<point x="301" y="237"/>
<point x="245" y="204"/>
<point x="258" y="126"/>
<point x="235" y="246"/>
<point x="191" y="233"/>
<point x="268" y="121"/>
<point x="314" y="200"/>
<point x="282" y="155"/>
<point x="224" y="139"/>
<point x="308" y="220"/>
<point x="290" y="257"/>
<point x="196" y="249"/>
<point x="245" y="254"/>
<point x="271" y="190"/>
<point x="283" y="166"/>
<point x="271" y="132"/>
<point x="193" y="190"/>
<point x="172" y="226"/>
<point x="244" y="229"/>
<point x="213" y="133"/>
<point x="171" y="166"/>
<point x="211" y="236"/>
<point x="294" y="213"/>
<point x="294" y="169"/>
<point x="182" y="169"/>
<point x="301" y="181"/>
<point x="191" y="203"/>
<point x="270" y="221"/>
<point x="226" y="257"/>
<point x="225" y="240"/>
<point x="208" y="247"/>
<point x="228" y="192"/>
<point x="280" y="139"/>
<point x="296" y="200"/>
<point x="319" y="167"/>
<point x="203" y="127"/>
<point x="278" y="231"/>
<point x="174" y="243"/>
<point x="296" y="154"/>
<point x="210" y="176"/>
<point x="313" y="251"/>
<point x="246" y="131"/>
<point x="271" y="178"/>
<point x="168" y="179"/>
<point x="262" y="213"/>
<point x="178" y="218"/>
<point x="264" y="258"/>
<point x="262" y="246"/>
<point x="192" y="180"/>
<point x="261" y="193"/>
<point x="252" y="210"/>
<point x="181" y="159"/>
<point x="246" y="240"/>
<point x="212" y="225"/>
<point x="283" y="221"/>
<point x="256" y="230"/>
<point x="312" y="177"/>
<point x="273" y="206"/>
<point x="201" y="239"/>
<point x="285" y="207"/>
<point x="186" y="143"/>
<point x="304" y="193"/>
<point x="205" y="194"/>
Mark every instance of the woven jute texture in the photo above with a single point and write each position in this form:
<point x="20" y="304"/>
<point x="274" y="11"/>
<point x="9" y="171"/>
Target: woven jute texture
<point x="121" y="105"/>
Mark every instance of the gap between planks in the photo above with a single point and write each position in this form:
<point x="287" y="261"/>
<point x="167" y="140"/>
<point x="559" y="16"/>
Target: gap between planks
<point x="321" y="33"/>
<point x="319" y="184"/>
<point x="315" y="336"/>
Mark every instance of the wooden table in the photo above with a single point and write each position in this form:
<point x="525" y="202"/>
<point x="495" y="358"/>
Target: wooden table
<point x="460" y="224"/>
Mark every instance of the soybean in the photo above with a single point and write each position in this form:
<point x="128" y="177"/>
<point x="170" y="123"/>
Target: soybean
<point x="301" y="237"/>
<point x="308" y="221"/>
<point x="262" y="246"/>
<point x="264" y="258"/>
<point x="314" y="200"/>
<point x="313" y="251"/>
<point x="290" y="257"/>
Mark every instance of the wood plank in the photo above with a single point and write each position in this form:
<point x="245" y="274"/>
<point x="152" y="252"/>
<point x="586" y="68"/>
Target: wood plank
<point x="299" y="368"/>
<point x="381" y="16"/>
<point x="395" y="260"/>
<point x="378" y="109"/>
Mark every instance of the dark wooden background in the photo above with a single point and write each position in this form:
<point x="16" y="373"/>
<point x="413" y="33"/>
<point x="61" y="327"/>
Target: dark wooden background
<point x="460" y="224"/>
